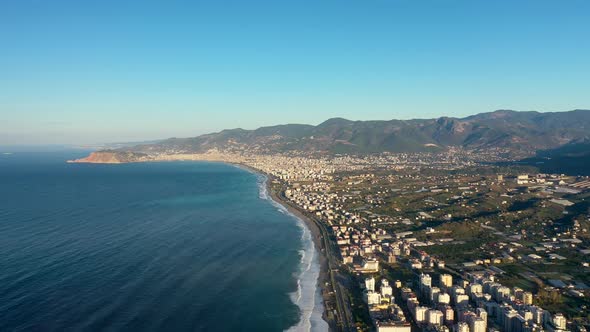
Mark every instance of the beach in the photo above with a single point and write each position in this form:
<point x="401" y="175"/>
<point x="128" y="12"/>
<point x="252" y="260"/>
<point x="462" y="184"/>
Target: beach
<point x="315" y="236"/>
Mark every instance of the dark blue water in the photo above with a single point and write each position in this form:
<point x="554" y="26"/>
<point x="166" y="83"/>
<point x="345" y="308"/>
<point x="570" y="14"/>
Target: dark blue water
<point x="141" y="247"/>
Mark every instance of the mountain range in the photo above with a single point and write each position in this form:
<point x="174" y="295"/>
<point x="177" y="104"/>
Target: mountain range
<point x="518" y="132"/>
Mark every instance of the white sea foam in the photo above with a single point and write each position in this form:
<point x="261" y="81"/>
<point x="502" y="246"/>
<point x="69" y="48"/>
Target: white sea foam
<point x="263" y="193"/>
<point x="307" y="296"/>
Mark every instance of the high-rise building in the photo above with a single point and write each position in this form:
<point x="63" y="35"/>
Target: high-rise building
<point x="502" y="293"/>
<point x="462" y="327"/>
<point x="412" y="303"/>
<point x="482" y="313"/>
<point x="420" y="314"/>
<point x="559" y="321"/>
<point x="461" y="299"/>
<point x="527" y="298"/>
<point x="528" y="316"/>
<point x="538" y="315"/>
<point x="478" y="325"/>
<point x="456" y="290"/>
<point x="385" y="288"/>
<point x="449" y="314"/>
<point x="444" y="298"/>
<point x="435" y="317"/>
<point x="434" y="291"/>
<point x="373" y="298"/>
<point x="508" y="320"/>
<point x="425" y="281"/>
<point x="475" y="289"/>
<point x="463" y="283"/>
<point x="370" y="284"/>
<point x="446" y="280"/>
<point x="391" y="258"/>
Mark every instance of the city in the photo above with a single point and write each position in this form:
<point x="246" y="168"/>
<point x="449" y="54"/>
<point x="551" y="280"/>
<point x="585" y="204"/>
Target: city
<point x="440" y="242"/>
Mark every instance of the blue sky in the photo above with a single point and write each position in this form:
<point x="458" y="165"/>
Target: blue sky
<point x="103" y="71"/>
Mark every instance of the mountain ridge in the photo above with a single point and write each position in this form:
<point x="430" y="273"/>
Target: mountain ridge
<point x="502" y="129"/>
<point x="507" y="134"/>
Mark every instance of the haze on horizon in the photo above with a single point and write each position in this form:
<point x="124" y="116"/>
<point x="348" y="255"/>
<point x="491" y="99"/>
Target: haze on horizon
<point x="113" y="71"/>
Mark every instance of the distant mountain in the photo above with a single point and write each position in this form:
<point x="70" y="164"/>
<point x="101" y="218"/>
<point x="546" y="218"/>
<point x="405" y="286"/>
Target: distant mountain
<point x="572" y="158"/>
<point x="574" y="149"/>
<point x="523" y="132"/>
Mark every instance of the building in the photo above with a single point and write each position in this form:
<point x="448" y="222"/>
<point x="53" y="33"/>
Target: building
<point x="370" y="266"/>
<point x="522" y="179"/>
<point x="446" y="280"/>
<point x="482" y="313"/>
<point x="527" y="298"/>
<point x="420" y="314"/>
<point x="539" y="315"/>
<point x="502" y="293"/>
<point x="462" y="327"/>
<point x="373" y="298"/>
<point x="461" y="299"/>
<point x="391" y="259"/>
<point x="433" y="293"/>
<point x="509" y="320"/>
<point x="475" y="289"/>
<point x="370" y="284"/>
<point x="456" y="290"/>
<point x="477" y="325"/>
<point x="425" y="281"/>
<point x="435" y="317"/>
<point x="449" y="314"/>
<point x="559" y="321"/>
<point x="444" y="298"/>
<point x="386" y="289"/>
<point x="384" y="327"/>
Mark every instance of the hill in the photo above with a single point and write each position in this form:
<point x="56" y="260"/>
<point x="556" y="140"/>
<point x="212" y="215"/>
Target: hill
<point x="519" y="132"/>
<point x="572" y="158"/>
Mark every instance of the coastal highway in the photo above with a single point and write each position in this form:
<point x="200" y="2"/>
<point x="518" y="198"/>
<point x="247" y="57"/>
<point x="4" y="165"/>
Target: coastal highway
<point x="345" y="319"/>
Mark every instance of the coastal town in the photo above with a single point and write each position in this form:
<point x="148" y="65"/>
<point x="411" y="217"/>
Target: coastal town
<point x="437" y="241"/>
<point x="522" y="238"/>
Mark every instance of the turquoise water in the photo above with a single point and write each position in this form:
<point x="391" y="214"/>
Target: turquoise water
<point x="180" y="246"/>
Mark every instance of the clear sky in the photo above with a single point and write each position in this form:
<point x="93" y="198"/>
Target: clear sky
<point x="104" y="71"/>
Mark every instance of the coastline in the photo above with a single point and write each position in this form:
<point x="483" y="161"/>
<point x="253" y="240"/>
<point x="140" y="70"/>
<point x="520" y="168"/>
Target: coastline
<point x="325" y="284"/>
<point x="316" y="237"/>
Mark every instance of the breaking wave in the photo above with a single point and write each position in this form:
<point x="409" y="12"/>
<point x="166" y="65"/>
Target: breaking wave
<point x="307" y="296"/>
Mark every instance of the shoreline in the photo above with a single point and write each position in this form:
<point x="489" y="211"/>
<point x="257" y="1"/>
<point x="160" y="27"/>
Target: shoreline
<point x="325" y="281"/>
<point x="316" y="237"/>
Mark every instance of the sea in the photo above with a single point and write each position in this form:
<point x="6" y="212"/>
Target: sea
<point x="170" y="246"/>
